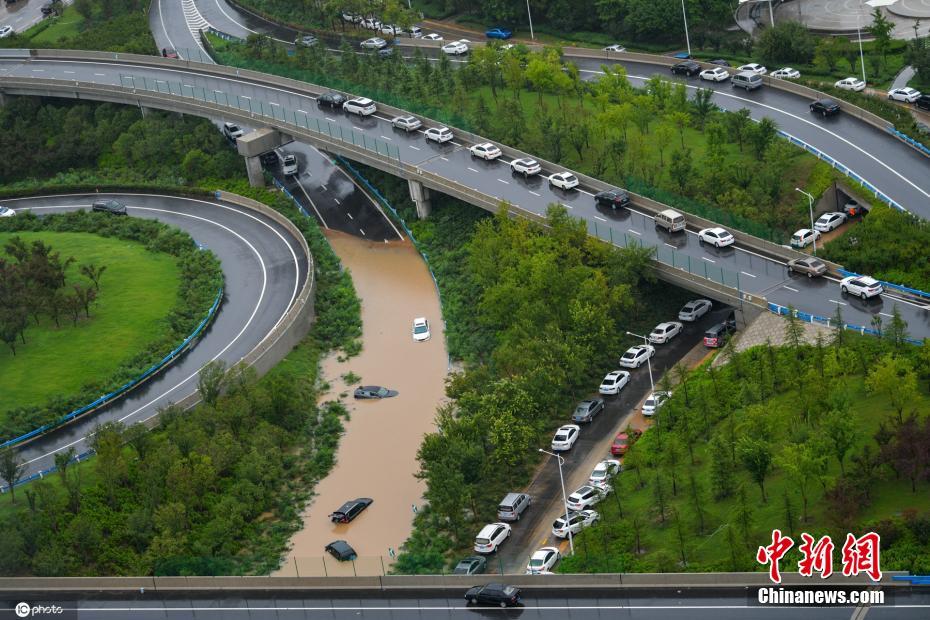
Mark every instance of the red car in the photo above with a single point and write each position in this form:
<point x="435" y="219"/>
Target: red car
<point x="853" y="208"/>
<point x="624" y="440"/>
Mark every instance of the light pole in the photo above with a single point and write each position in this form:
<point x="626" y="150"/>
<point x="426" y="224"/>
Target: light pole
<point x="810" y="204"/>
<point x="859" y="36"/>
<point x="684" y="16"/>
<point x="648" y="359"/>
<point x="571" y="543"/>
<point x="530" y="17"/>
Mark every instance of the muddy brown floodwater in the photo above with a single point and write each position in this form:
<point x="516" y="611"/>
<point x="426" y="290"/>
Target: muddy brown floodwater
<point x="377" y="454"/>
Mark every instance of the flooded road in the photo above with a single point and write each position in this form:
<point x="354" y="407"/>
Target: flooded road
<point x="377" y="454"/>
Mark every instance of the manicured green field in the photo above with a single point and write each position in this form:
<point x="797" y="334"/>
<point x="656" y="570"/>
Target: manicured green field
<point x="68" y="25"/>
<point x="137" y="291"/>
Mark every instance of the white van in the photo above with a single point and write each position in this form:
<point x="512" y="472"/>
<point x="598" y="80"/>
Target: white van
<point x="415" y="31"/>
<point x="670" y="220"/>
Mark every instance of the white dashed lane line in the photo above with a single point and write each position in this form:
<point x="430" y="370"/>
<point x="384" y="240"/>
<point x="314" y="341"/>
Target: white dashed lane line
<point x="747" y="274"/>
<point x="833" y="301"/>
<point x="635" y="232"/>
<point x="793" y="290"/>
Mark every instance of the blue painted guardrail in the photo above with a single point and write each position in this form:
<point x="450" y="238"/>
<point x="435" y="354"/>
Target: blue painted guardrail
<point x="108" y="398"/>
<point x="915" y="580"/>
<point x="828" y="322"/>
<point x="891" y="285"/>
<point x="909" y="140"/>
<point x="841" y="167"/>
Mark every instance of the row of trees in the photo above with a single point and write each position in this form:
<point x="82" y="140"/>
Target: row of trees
<point x="655" y="139"/>
<point x="33" y="285"/>
<point x="787" y="422"/>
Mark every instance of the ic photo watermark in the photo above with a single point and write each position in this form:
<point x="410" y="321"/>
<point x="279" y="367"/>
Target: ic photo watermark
<point x="34" y="609"/>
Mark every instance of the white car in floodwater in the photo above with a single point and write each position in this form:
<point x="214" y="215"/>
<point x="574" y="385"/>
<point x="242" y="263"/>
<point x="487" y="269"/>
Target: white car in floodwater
<point x="421" y="329"/>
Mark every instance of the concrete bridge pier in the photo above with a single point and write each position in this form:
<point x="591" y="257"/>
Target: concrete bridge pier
<point x="420" y="196"/>
<point x="253" y="166"/>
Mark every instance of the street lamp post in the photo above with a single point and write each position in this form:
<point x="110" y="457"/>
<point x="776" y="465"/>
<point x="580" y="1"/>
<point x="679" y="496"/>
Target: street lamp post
<point x="530" y="17"/>
<point x="772" y="13"/>
<point x="810" y="204"/>
<point x="684" y="16"/>
<point x="571" y="542"/>
<point x="859" y="36"/>
<point x="648" y="359"/>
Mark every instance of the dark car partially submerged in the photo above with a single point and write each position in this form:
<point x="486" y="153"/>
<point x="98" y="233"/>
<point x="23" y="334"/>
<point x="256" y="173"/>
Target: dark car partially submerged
<point x="493" y="594"/>
<point x="374" y="391"/>
<point x="351" y="509"/>
<point x="341" y="550"/>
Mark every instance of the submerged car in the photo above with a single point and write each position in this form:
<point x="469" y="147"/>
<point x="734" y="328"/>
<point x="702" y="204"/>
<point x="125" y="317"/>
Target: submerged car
<point x="373" y="391"/>
<point x="351" y="509"/>
<point x="341" y="550"/>
<point x="421" y="329"/>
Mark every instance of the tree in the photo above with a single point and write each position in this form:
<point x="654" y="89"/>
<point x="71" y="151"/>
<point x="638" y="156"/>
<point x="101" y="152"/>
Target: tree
<point x="680" y="120"/>
<point x="703" y="105"/>
<point x="697" y="499"/>
<point x="722" y="468"/>
<point x="211" y="381"/>
<point x="661" y="139"/>
<point x="802" y="464"/>
<point x="840" y="434"/>
<point x="896" y="332"/>
<point x="794" y="332"/>
<point x="11" y="469"/>
<point x="787" y="42"/>
<point x="85" y="296"/>
<point x="894" y="378"/>
<point x="739" y="124"/>
<point x="762" y="136"/>
<point x="827" y="53"/>
<point x="881" y="29"/>
<point x="757" y="459"/>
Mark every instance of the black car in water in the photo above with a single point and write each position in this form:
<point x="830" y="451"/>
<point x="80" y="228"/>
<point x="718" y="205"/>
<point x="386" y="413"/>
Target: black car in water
<point x="613" y="198"/>
<point x="114" y="207"/>
<point x="825" y="107"/>
<point x="331" y="99"/>
<point x="373" y="391"/>
<point x="270" y="159"/>
<point x="341" y="550"/>
<point x="351" y="509"/>
<point x="493" y="594"/>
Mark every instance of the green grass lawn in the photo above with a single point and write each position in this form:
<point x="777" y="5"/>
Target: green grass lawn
<point x="68" y="25"/>
<point x="137" y="291"/>
<point x="611" y="548"/>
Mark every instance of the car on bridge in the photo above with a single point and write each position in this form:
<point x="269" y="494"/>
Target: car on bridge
<point x="407" y="123"/>
<point x="6" y="212"/>
<point x="616" y="47"/>
<point x="456" y="48"/>
<point x="374" y="43"/>
<point x="113" y="207"/>
<point x="525" y="166"/>
<point x="587" y="410"/>
<point x="603" y="471"/>
<point x="654" y="402"/>
<point x="361" y="106"/>
<point x="331" y="99"/>
<point x="472" y="565"/>
<point x="498" y="33"/>
<point x="349" y="510"/>
<point x="493" y="594"/>
<point x="440" y="135"/>
<point x="753" y="67"/>
<point x="491" y="536"/>
<point x="615" y="381"/>
<point x="804" y="237"/>
<point x="850" y="83"/>
<point x="636" y="356"/>
<point x="829" y="221"/>
<point x="825" y="107"/>
<point x="485" y="151"/>
<point x="613" y="198"/>
<point x="809" y="265"/>
<point x="862" y="286"/>
<point x="907" y="94"/>
<point x="563" y="180"/>
<point x="687" y="67"/>
<point x="717" y="237"/>
<point x="565" y="437"/>
<point x="695" y="309"/>
<point x="574" y="522"/>
<point x="543" y="561"/>
<point x="717" y="74"/>
<point x="664" y="332"/>
<point x="786" y="73"/>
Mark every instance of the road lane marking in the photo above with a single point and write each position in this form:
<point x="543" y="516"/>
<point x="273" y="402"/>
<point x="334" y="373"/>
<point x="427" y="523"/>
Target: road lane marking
<point x="443" y="158"/>
<point x="337" y="201"/>
<point x="504" y="182"/>
<point x="472" y="169"/>
<point x="301" y="111"/>
<point x="383" y="137"/>
<point x="597" y="217"/>
<point x="793" y="290"/>
<point x="363" y="232"/>
<point x="833" y="301"/>
<point x="635" y="232"/>
<point x="329" y="119"/>
<point x="747" y="274"/>
<point x="271" y="102"/>
<point x="534" y="193"/>
<point x="310" y="200"/>
<point x="886" y="314"/>
<point x="709" y="260"/>
<point x="566" y="206"/>
<point x="415" y="148"/>
<point x="358" y="128"/>
<point x="671" y="246"/>
<point x="350" y="216"/>
<point x="324" y="188"/>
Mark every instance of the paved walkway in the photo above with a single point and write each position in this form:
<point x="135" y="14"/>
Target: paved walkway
<point x="844" y="16"/>
<point x="905" y="76"/>
<point x="768" y="327"/>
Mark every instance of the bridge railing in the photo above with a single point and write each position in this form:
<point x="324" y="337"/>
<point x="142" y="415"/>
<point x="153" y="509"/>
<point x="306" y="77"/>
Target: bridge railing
<point x="829" y="322"/>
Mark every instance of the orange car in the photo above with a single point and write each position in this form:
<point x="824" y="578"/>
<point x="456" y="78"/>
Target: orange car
<point x="624" y="440"/>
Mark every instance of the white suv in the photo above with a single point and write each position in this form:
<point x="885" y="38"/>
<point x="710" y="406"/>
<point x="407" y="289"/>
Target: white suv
<point x="525" y="166"/>
<point x="863" y="286"/>
<point x="491" y="536"/>
<point x="587" y="496"/>
<point x="361" y="106"/>
<point x="439" y="134"/>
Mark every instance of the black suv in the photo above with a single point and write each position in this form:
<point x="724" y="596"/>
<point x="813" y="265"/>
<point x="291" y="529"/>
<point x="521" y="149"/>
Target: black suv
<point x="923" y="102"/>
<point x="109" y="206"/>
<point x="613" y="198"/>
<point x="350" y="510"/>
<point x="333" y="100"/>
<point x="587" y="409"/>
<point x="721" y="62"/>
<point x="687" y="67"/>
<point x="825" y="107"/>
<point x="269" y="159"/>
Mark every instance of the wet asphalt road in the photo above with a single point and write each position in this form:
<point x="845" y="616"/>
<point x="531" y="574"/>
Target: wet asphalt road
<point x="263" y="268"/>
